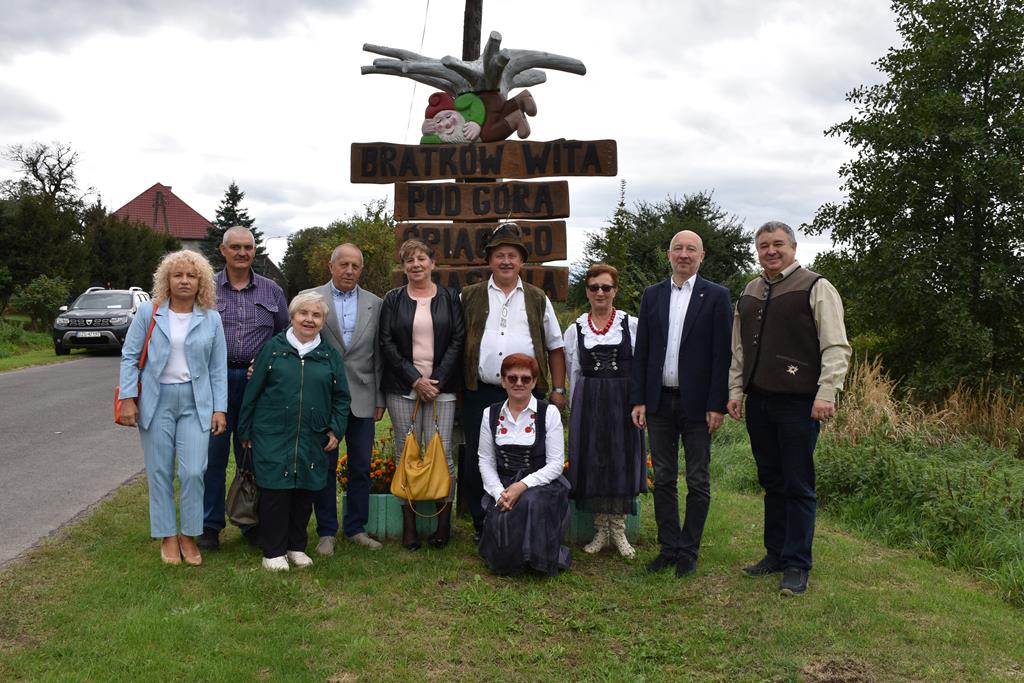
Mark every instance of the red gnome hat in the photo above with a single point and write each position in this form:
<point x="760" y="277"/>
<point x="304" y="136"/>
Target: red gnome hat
<point x="438" y="102"/>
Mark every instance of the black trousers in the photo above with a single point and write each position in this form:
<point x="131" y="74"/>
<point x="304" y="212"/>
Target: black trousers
<point x="284" y="516"/>
<point x="666" y="427"/>
<point x="471" y="485"/>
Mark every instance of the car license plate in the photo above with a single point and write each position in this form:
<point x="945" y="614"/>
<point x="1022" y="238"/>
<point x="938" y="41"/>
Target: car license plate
<point x="91" y="334"/>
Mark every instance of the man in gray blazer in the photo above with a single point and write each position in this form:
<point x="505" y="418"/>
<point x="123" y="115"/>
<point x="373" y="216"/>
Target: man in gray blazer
<point x="351" y="328"/>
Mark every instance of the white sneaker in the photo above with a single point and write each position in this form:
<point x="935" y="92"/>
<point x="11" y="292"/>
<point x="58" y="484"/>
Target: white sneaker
<point x="299" y="559"/>
<point x="365" y="539"/>
<point x="275" y="564"/>
<point x="326" y="545"/>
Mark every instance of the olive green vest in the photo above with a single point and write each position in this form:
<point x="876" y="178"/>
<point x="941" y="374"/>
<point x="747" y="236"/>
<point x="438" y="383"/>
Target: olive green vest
<point x="476" y="307"/>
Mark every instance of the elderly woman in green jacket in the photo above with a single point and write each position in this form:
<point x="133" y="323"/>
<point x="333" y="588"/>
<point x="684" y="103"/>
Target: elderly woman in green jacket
<point x="294" y="407"/>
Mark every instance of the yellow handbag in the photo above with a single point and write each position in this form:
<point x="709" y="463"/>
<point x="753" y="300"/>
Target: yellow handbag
<point x="422" y="476"/>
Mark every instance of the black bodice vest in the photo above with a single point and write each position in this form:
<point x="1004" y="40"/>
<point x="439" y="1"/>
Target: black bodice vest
<point x="520" y="460"/>
<point x="606" y="360"/>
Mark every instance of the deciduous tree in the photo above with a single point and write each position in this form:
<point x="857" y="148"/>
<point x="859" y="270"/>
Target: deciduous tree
<point x="932" y="227"/>
<point x="47" y="170"/>
<point x="636" y="242"/>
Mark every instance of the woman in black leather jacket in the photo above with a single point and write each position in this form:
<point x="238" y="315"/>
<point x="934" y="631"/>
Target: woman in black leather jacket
<point x="422" y="334"/>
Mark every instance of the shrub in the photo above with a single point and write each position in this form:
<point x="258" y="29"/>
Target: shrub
<point x="41" y="298"/>
<point x="14" y="338"/>
<point x="962" y="502"/>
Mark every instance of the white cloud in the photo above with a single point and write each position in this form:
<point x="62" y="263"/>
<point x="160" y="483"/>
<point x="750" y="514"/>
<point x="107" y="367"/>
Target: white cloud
<point x="730" y="96"/>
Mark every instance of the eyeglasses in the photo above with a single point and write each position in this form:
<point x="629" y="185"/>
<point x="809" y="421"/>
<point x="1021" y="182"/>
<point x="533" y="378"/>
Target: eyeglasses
<point x="602" y="288"/>
<point x="519" y="379"/>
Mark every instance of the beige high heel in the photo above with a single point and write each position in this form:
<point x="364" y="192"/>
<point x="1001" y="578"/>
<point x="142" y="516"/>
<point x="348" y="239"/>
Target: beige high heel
<point x="170" y="552"/>
<point x="189" y="550"/>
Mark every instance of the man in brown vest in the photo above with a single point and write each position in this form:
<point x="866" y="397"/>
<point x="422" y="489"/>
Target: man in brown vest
<point x="790" y="356"/>
<point x="504" y="315"/>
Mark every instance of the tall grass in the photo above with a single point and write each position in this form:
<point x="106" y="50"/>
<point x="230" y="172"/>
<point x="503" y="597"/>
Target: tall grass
<point x="871" y="406"/>
<point x="14" y="338"/>
<point x="945" y="479"/>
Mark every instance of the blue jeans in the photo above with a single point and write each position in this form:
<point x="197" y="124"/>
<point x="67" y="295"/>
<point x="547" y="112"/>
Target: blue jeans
<point x="359" y="443"/>
<point x="665" y="427"/>
<point x="175" y="428"/>
<point x="220" y="446"/>
<point x="782" y="437"/>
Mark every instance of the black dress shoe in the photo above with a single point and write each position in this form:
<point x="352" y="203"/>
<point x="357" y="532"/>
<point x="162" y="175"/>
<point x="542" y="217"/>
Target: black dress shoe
<point x="767" y="565"/>
<point x="414" y="546"/>
<point x="660" y="563"/>
<point x="210" y="540"/>
<point x="794" y="581"/>
<point x="685" y="567"/>
<point x="252" y="536"/>
<point x="439" y="541"/>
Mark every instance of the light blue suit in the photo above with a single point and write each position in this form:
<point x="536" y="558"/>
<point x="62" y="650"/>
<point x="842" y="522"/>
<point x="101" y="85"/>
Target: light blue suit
<point x="176" y="417"/>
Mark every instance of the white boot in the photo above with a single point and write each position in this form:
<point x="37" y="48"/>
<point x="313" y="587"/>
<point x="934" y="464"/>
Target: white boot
<point x="600" y="535"/>
<point x="617" y="528"/>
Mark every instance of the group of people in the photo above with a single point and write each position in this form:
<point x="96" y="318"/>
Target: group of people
<point x="228" y="357"/>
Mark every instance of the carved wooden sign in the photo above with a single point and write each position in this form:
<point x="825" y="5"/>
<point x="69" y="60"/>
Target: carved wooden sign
<point x="481" y="201"/>
<point x="457" y="244"/>
<point x="381" y="162"/>
<point x="554" y="280"/>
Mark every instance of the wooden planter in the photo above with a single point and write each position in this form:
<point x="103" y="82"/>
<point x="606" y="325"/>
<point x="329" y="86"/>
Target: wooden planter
<point x="385" y="518"/>
<point x="581" y="524"/>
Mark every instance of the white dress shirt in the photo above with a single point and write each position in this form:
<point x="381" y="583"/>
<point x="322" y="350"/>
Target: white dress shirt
<point x="521" y="432"/>
<point x="677" y="307"/>
<point x="507" y="330"/>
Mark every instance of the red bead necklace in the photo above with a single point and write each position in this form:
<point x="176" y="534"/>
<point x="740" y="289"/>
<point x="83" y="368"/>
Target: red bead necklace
<point x="607" y="326"/>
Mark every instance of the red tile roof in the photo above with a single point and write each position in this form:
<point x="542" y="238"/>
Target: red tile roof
<point x="164" y="211"/>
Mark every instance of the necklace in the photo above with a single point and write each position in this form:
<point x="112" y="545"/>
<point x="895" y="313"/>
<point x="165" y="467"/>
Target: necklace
<point x="607" y="325"/>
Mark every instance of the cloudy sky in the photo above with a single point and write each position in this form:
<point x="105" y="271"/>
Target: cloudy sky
<point x="729" y="96"/>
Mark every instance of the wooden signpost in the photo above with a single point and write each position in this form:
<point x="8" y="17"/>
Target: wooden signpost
<point x="465" y="130"/>
<point x="381" y="162"/>
<point x="462" y="244"/>
<point x="481" y="201"/>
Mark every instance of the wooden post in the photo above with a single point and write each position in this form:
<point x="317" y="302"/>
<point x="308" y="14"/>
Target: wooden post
<point x="472" y="22"/>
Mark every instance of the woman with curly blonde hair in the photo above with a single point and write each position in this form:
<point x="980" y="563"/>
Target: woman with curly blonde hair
<point x="179" y="397"/>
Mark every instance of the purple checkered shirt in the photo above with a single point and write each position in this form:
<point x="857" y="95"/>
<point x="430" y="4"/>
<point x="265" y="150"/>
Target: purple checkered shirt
<point x="251" y="315"/>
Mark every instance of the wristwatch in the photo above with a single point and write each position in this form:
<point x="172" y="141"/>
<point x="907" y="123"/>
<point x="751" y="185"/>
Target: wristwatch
<point x="559" y="390"/>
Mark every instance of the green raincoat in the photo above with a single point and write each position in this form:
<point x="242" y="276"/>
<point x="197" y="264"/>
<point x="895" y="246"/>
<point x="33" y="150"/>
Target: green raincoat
<point x="290" y="403"/>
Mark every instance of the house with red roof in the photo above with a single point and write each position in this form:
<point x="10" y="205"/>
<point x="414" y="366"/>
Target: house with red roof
<point x="166" y="212"/>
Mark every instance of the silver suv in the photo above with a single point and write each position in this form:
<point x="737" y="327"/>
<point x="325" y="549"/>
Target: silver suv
<point x="98" y="319"/>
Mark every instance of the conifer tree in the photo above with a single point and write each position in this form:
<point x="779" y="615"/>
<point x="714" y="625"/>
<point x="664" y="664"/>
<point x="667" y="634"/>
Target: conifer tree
<point x="229" y="214"/>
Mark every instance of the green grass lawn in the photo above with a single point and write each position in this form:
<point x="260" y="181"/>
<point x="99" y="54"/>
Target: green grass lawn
<point x="21" y="348"/>
<point x="95" y="603"/>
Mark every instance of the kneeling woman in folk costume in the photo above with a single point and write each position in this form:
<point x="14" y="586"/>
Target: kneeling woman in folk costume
<point x="527" y="499"/>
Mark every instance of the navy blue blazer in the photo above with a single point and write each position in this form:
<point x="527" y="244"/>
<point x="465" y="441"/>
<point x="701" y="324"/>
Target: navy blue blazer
<point x="704" y="354"/>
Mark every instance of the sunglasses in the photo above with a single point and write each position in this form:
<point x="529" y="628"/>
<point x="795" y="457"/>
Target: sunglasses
<point x="519" y="379"/>
<point x="602" y="288"/>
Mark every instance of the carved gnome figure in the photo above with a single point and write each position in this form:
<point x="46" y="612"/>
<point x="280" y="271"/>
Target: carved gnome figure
<point x="486" y="116"/>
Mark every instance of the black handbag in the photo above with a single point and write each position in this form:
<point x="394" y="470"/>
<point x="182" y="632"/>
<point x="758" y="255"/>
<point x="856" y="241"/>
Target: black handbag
<point x="242" y="505"/>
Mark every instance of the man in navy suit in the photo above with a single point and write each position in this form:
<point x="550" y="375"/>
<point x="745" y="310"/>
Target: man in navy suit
<point x="679" y="388"/>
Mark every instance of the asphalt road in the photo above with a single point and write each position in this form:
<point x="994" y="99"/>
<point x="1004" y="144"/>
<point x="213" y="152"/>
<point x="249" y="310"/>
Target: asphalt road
<point x="60" y="451"/>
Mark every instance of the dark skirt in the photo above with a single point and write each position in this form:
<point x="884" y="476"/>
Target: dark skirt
<point x="529" y="536"/>
<point x="607" y="460"/>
